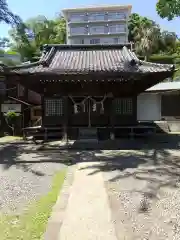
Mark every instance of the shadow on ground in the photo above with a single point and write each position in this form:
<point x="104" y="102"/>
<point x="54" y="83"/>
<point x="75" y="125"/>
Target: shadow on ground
<point x="146" y="161"/>
<point x="158" y="165"/>
<point x="24" y="156"/>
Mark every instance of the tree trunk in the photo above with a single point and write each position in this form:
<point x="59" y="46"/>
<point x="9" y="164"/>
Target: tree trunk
<point x="146" y="58"/>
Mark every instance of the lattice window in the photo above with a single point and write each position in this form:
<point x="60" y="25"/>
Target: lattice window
<point x="54" y="107"/>
<point x="127" y="106"/>
<point x="117" y="106"/>
<point x="123" y="106"/>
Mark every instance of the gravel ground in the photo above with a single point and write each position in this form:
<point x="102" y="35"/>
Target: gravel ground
<point x="143" y="186"/>
<point x="144" y="193"/>
<point x="25" y="176"/>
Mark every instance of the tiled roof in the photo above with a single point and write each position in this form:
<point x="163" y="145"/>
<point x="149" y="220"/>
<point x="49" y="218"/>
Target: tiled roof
<point x="84" y="59"/>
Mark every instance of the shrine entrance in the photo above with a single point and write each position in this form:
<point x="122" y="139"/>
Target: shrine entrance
<point x="89" y="111"/>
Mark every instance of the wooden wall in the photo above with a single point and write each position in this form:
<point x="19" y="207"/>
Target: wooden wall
<point x="170" y="105"/>
<point x="117" y="112"/>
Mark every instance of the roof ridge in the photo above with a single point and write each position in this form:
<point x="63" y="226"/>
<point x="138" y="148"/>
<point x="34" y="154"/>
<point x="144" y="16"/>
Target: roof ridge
<point x="164" y="65"/>
<point x="48" y="57"/>
<point x="46" y="47"/>
<point x="24" y="66"/>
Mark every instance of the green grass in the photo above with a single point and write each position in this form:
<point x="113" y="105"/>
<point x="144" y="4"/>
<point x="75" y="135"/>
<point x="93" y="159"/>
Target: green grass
<point x="31" y="225"/>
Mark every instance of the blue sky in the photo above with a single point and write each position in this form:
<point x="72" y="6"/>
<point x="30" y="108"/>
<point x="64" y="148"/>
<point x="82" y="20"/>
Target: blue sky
<point x="28" y="9"/>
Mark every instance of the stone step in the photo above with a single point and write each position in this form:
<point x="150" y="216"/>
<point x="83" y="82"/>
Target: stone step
<point x="88" y="133"/>
<point x="162" y="126"/>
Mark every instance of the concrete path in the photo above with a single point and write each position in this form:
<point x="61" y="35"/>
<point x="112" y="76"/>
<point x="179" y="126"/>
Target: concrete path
<point x="88" y="216"/>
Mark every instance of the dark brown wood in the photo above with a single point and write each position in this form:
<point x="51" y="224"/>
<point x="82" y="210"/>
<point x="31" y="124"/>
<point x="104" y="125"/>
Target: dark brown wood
<point x="170" y="105"/>
<point x="43" y="110"/>
<point x="65" y="124"/>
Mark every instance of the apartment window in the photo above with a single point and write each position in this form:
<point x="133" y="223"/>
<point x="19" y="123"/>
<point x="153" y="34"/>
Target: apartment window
<point x="117" y="28"/>
<point x="95" y="41"/>
<point x="97" y="29"/>
<point x="96" y="16"/>
<point x="77" y="17"/>
<point x="122" y="39"/>
<point x="78" y="30"/>
<point x="54" y="107"/>
<point x="116" y="16"/>
<point x="116" y="40"/>
<point x="78" y="41"/>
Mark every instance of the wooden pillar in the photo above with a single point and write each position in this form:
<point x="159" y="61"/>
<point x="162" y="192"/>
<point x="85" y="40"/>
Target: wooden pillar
<point x="111" y="112"/>
<point x="43" y="110"/>
<point x="65" y="124"/>
<point x="135" y="108"/>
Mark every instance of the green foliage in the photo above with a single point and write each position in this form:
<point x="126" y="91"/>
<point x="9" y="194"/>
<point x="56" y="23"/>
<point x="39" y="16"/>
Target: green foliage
<point x="164" y="59"/>
<point x="168" y="8"/>
<point x="11" y="116"/>
<point x="4" y="42"/>
<point x="167" y="42"/>
<point x="11" y="52"/>
<point x="45" y="31"/>
<point x="177" y="47"/>
<point x="8" y="62"/>
<point x="7" y="16"/>
<point x="135" y="22"/>
<point x="148" y="38"/>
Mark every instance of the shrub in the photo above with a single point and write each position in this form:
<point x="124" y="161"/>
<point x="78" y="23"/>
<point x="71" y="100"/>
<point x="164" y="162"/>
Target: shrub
<point x="11" y="120"/>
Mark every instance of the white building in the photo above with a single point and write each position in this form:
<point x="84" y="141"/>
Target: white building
<point x="97" y="25"/>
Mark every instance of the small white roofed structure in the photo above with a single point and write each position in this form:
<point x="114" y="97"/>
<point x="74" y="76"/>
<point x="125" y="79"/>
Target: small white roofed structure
<point x="164" y="86"/>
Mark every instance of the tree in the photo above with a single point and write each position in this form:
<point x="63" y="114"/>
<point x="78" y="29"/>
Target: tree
<point x="177" y="47"/>
<point x="168" y="8"/>
<point x="7" y="16"/>
<point x="39" y="31"/>
<point x="135" y="23"/>
<point x="4" y="42"/>
<point x="147" y="40"/>
<point x="11" y="119"/>
<point x="167" y="42"/>
<point x="139" y="26"/>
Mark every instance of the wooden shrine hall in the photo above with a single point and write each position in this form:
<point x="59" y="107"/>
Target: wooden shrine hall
<point x="88" y="88"/>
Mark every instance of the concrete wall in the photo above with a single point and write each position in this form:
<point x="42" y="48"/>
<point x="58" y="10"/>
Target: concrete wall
<point x="149" y="107"/>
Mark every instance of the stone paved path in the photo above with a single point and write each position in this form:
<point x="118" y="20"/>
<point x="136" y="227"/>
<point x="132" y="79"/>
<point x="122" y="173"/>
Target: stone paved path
<point x="88" y="216"/>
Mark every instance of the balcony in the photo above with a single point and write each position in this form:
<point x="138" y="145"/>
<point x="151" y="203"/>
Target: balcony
<point x="77" y="19"/>
<point x="96" y="30"/>
<point x="101" y="17"/>
<point x="78" y="32"/>
<point x="117" y="31"/>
